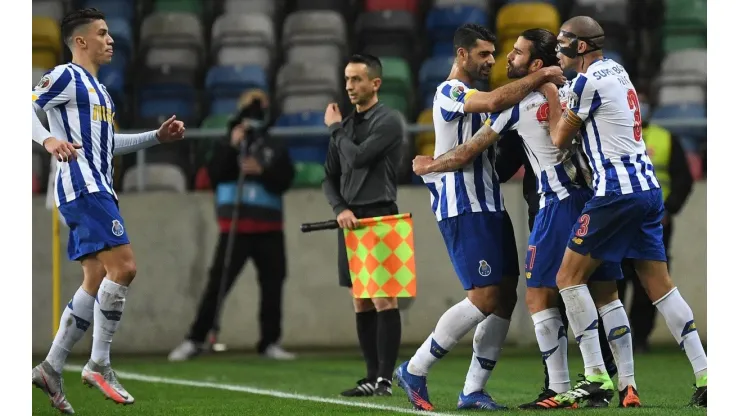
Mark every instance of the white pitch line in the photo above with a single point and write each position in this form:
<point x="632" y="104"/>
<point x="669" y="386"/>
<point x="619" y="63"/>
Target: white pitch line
<point x="263" y="392"/>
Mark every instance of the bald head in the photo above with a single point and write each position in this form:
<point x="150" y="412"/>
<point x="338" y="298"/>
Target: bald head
<point x="585" y="28"/>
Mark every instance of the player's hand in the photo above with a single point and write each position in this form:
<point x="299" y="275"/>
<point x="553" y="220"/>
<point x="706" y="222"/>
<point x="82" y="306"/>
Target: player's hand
<point x="171" y="130"/>
<point x="421" y="164"/>
<point x="251" y="166"/>
<point x="63" y="151"/>
<point x="554" y="74"/>
<point x="347" y="219"/>
<point x="332" y="115"/>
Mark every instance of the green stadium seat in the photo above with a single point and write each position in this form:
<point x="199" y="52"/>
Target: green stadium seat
<point x="216" y="121"/>
<point x="395" y="101"/>
<point x="396" y="76"/>
<point x="189" y="6"/>
<point x="308" y="175"/>
<point x="685" y="25"/>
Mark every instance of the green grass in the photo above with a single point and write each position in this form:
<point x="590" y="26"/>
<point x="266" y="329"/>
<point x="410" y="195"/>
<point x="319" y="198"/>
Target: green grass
<point x="664" y="381"/>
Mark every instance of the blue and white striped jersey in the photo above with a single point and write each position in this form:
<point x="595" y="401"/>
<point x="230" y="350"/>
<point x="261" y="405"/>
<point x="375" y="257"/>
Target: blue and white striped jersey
<point x="606" y="101"/>
<point x="475" y="187"/>
<point x="554" y="168"/>
<point x="80" y="110"/>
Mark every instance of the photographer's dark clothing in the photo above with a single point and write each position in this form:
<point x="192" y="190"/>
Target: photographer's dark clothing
<point x="259" y="232"/>
<point x="261" y="208"/>
<point x="362" y="161"/>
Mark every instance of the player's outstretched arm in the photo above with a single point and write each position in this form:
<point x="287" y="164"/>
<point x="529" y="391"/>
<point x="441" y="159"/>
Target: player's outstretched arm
<point x="512" y="93"/>
<point x="461" y="155"/>
<point x="170" y="131"/>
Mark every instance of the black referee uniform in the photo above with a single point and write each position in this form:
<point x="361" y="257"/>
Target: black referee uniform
<point x="361" y="176"/>
<point x="510" y="158"/>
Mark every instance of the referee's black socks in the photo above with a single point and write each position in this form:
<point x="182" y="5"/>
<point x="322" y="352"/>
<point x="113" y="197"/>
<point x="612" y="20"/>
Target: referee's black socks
<point x="389" y="340"/>
<point x="367" y="330"/>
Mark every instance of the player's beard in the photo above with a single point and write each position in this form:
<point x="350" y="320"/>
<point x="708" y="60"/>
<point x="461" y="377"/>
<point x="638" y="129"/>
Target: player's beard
<point x="514" y="72"/>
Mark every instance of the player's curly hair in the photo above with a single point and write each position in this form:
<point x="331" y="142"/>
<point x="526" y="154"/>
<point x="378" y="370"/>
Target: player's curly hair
<point x="78" y="18"/>
<point x="468" y="34"/>
<point x="544" y="43"/>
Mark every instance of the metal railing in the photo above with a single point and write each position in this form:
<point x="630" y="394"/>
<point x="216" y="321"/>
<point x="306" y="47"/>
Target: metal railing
<point x="290" y="132"/>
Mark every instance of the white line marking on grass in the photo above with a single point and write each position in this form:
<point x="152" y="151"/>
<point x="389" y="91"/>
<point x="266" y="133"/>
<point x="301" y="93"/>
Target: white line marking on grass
<point x="263" y="392"/>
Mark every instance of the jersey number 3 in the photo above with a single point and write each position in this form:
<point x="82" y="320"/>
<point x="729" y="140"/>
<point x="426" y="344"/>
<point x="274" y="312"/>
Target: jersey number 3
<point x="634" y="104"/>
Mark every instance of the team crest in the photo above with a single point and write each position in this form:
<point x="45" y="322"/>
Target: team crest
<point x="117" y="228"/>
<point x="484" y="269"/>
<point x="45" y="83"/>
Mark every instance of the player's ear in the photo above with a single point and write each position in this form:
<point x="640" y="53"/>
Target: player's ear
<point x="582" y="46"/>
<point x="376" y="84"/>
<point x="536" y="65"/>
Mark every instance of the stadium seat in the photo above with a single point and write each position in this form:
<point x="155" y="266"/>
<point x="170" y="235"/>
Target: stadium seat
<point x="679" y="93"/>
<point x="514" y="18"/>
<point x="685" y="61"/>
<point x="225" y="84"/>
<point x="480" y="4"/>
<point x="123" y="48"/>
<point x="53" y="9"/>
<point x="187" y="6"/>
<point x="604" y="11"/>
<point x="46" y="42"/>
<point x="314" y="27"/>
<point x="216" y="121"/>
<point x="498" y="75"/>
<point x="395" y="101"/>
<point x="433" y="71"/>
<point x="394" y="30"/>
<point x="340" y="6"/>
<point x="329" y="54"/>
<point x="443" y="49"/>
<point x="396" y="77"/>
<point x="441" y="23"/>
<point x="115" y="9"/>
<point x="165" y="91"/>
<point x="244" y="39"/>
<point x="302" y="78"/>
<point x="308" y="175"/>
<point x="174" y="39"/>
<point x="270" y="8"/>
<point x="685" y="25"/>
<point x="681" y="112"/>
<point x="614" y="56"/>
<point x="159" y="177"/>
<point x="424" y="139"/>
<point x="306" y="102"/>
<point x="411" y="6"/>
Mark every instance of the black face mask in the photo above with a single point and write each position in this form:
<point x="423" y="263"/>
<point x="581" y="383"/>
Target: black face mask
<point x="571" y="50"/>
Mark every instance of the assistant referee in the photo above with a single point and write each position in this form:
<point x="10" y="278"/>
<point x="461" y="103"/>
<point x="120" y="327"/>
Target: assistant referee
<point x="361" y="181"/>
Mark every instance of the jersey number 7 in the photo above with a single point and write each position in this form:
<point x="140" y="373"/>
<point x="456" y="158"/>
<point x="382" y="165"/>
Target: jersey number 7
<point x="634" y="104"/>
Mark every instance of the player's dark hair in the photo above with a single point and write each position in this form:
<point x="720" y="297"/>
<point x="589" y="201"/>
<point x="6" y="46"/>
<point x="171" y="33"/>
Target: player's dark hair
<point x="374" y="67"/>
<point x="544" y="43"/>
<point x="78" y="18"/>
<point x="468" y="34"/>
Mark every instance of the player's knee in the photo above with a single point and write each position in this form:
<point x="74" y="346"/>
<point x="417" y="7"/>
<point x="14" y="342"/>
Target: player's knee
<point x="537" y="300"/>
<point x="654" y="278"/>
<point x="363" y="305"/>
<point x="123" y="273"/>
<point x="385" y="304"/>
<point x="484" y="298"/>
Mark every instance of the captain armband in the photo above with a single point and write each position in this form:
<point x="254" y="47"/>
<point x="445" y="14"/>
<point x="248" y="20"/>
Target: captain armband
<point x="572" y="118"/>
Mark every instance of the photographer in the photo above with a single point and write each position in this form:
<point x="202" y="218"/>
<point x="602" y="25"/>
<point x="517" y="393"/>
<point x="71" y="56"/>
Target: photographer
<point x="258" y="232"/>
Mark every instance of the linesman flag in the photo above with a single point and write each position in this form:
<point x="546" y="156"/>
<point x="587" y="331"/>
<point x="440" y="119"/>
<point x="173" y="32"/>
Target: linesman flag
<point x="380" y="253"/>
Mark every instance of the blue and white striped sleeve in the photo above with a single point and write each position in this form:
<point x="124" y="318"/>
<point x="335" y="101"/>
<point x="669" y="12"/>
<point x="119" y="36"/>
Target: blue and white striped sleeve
<point x="583" y="100"/>
<point x="506" y="120"/>
<point x="55" y="88"/>
<point x="451" y="96"/>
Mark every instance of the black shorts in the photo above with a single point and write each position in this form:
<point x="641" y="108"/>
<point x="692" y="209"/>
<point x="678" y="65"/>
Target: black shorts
<point x="367" y="211"/>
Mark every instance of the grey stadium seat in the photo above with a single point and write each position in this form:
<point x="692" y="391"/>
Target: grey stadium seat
<point x="330" y="54"/>
<point x="245" y="55"/>
<point x="687" y="60"/>
<point x="243" y="29"/>
<point x="174" y="39"/>
<point x="270" y="8"/>
<point x="159" y="177"/>
<point x="314" y="27"/>
<point x="674" y="94"/>
<point x="48" y="8"/>
<point x="307" y="78"/>
<point x="300" y="103"/>
<point x="481" y="4"/>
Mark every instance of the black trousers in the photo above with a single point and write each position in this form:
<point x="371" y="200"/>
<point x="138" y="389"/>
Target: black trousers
<point x="642" y="313"/>
<point x="267" y="250"/>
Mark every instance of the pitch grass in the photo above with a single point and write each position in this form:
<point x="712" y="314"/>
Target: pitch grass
<point x="664" y="381"/>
